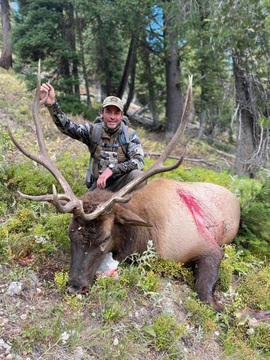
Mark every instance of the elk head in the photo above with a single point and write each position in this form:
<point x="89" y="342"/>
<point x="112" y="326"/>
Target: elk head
<point x="91" y="228"/>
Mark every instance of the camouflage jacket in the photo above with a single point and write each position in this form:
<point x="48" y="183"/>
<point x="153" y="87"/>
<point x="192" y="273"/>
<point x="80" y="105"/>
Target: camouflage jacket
<point x="134" y="158"/>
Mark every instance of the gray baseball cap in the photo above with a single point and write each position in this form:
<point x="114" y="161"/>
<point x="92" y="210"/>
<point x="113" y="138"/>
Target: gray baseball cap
<point x="113" y="100"/>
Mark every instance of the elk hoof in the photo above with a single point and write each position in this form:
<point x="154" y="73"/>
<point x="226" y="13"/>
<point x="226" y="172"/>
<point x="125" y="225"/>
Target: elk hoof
<point x="218" y="306"/>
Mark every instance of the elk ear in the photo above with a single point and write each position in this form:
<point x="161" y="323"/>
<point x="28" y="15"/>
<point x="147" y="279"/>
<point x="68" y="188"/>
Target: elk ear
<point x="127" y="217"/>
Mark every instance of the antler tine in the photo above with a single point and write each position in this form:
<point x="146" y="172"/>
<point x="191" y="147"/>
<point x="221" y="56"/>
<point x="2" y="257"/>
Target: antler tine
<point x="69" y="207"/>
<point x="44" y="159"/>
<point x="49" y="198"/>
<point x="35" y="112"/>
<point x="105" y="207"/>
<point x="156" y="168"/>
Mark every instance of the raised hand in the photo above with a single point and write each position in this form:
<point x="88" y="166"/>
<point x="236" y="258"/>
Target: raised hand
<point x="47" y="88"/>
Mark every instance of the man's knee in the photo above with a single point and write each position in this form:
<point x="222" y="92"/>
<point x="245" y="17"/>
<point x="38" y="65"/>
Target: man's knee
<point x="118" y="184"/>
<point x="135" y="174"/>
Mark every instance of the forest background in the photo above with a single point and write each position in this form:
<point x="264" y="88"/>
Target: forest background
<point x="142" y="51"/>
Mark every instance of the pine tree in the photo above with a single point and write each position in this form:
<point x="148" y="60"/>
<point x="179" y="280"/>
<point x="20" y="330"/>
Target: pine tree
<point x="44" y="30"/>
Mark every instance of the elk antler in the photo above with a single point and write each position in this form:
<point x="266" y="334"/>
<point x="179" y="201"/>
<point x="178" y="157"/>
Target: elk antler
<point x="156" y="168"/>
<point x="67" y="202"/>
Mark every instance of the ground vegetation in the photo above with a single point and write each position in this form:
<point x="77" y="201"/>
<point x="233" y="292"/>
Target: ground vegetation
<point x="150" y="311"/>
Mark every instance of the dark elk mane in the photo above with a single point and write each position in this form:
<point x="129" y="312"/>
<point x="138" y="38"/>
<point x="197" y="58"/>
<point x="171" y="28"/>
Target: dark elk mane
<point x="91" y="200"/>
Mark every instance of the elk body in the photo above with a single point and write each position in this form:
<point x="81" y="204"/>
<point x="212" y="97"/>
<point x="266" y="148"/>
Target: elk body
<point x="187" y="222"/>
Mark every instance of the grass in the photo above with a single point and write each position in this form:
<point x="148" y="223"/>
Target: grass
<point x="151" y="312"/>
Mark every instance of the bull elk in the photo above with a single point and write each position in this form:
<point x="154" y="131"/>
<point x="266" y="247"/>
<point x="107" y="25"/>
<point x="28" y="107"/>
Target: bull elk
<point x="187" y="222"/>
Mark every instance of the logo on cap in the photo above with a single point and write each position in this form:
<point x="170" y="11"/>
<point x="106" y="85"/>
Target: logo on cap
<point x="113" y="100"/>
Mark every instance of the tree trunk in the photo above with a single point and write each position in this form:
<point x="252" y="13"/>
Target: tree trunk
<point x="128" y="65"/>
<point x="174" y="104"/>
<point x="6" y="58"/>
<point x="202" y="115"/>
<point x="83" y="62"/>
<point x="246" y="143"/>
<point x="64" y="66"/>
<point x="152" y="102"/>
<point x="105" y="58"/>
<point x="132" y="82"/>
<point x="72" y="41"/>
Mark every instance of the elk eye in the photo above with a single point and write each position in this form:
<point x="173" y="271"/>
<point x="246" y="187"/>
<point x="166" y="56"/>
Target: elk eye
<point x="107" y="238"/>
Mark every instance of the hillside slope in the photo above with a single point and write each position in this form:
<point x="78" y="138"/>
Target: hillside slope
<point x="148" y="312"/>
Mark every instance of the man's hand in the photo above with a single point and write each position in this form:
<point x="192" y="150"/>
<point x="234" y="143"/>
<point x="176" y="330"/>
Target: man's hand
<point x="101" y="181"/>
<point x="43" y="90"/>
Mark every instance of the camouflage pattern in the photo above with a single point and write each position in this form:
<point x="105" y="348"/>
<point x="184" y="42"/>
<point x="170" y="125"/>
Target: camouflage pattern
<point x="106" y="158"/>
<point x="133" y="160"/>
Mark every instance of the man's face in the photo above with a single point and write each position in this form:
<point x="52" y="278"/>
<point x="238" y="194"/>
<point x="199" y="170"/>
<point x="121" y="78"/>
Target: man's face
<point x="112" y="116"/>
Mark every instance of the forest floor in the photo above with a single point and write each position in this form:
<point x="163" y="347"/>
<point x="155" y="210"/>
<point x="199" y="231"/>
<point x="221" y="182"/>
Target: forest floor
<point x="39" y="323"/>
<point x="115" y="320"/>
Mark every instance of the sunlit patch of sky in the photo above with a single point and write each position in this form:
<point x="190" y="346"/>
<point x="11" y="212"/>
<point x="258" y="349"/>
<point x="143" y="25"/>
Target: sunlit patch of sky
<point x="155" y="29"/>
<point x="14" y="5"/>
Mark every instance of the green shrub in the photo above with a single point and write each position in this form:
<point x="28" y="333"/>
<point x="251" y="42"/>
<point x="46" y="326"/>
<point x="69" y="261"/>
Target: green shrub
<point x="74" y="171"/>
<point x="149" y="282"/>
<point x="113" y="312"/>
<point x="201" y="315"/>
<point x="234" y="262"/>
<point x="71" y="104"/>
<point x="5" y="141"/>
<point x="111" y="296"/>
<point x="254" y="290"/>
<point x="31" y="231"/>
<point x="167" y="332"/>
<point x="14" y="234"/>
<point x="56" y="228"/>
<point x="254" y="233"/>
<point x="236" y="346"/>
<point x="60" y="279"/>
<point x="31" y="179"/>
<point x="172" y="270"/>
<point x="7" y="192"/>
<point x="259" y="338"/>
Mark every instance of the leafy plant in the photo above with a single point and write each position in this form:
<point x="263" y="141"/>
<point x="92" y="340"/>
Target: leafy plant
<point x="254" y="233"/>
<point x="60" y="279"/>
<point x="201" y="314"/>
<point x="254" y="289"/>
<point x="167" y="332"/>
<point x="172" y="270"/>
<point x="234" y="262"/>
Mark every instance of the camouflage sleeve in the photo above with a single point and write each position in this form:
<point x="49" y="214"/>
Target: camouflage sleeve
<point x="80" y="132"/>
<point x="135" y="155"/>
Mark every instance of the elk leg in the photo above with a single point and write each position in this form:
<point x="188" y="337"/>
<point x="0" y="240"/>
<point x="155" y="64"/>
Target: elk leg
<point x="206" y="272"/>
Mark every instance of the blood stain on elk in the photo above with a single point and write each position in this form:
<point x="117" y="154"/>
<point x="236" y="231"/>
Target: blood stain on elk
<point x="203" y="220"/>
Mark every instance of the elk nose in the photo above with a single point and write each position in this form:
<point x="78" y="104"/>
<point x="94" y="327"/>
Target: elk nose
<point x="74" y="289"/>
